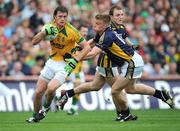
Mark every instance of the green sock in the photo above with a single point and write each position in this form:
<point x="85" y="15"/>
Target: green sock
<point x="34" y="114"/>
<point x="45" y="105"/>
<point x="74" y="101"/>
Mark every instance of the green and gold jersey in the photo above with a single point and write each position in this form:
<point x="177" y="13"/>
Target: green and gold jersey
<point x="67" y="38"/>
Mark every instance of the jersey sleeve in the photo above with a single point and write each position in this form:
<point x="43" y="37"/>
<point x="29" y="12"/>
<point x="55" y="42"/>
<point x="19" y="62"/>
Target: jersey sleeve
<point x="77" y="36"/>
<point x="125" y="32"/>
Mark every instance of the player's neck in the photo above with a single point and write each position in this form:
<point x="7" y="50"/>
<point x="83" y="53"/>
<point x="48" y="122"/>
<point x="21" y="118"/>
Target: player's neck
<point x="60" y="26"/>
<point x="117" y="23"/>
<point x="101" y="32"/>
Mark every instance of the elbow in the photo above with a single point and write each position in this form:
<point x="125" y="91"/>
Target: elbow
<point x="34" y="41"/>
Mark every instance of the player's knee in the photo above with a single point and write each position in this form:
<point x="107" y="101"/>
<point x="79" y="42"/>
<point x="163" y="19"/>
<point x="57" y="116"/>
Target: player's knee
<point x="38" y="93"/>
<point x="50" y="90"/>
<point x="130" y="90"/>
<point x="114" y="91"/>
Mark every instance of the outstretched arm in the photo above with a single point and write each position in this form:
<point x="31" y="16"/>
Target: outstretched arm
<point x="94" y="52"/>
<point x="135" y="47"/>
<point x="128" y="41"/>
<point x="72" y="62"/>
<point x="38" y="37"/>
<point x="86" y="53"/>
<point x="86" y="48"/>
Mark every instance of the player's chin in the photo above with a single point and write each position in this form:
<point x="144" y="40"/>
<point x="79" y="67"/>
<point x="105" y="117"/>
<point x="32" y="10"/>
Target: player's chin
<point x="96" y="30"/>
<point x="61" y="23"/>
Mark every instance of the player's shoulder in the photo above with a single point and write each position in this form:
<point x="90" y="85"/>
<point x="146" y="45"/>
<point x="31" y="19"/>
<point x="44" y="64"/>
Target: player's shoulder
<point x="122" y="26"/>
<point x="71" y="27"/>
<point x="109" y="32"/>
<point x="115" y="26"/>
<point x="107" y="35"/>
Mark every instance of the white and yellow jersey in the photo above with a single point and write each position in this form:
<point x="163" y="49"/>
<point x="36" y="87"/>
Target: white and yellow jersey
<point x="67" y="38"/>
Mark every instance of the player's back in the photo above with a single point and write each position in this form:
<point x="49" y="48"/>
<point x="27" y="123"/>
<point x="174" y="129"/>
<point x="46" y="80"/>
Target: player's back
<point x="104" y="60"/>
<point x="115" y="47"/>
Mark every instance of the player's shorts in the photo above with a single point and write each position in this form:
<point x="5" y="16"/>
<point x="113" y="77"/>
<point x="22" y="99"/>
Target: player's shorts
<point x="54" y="70"/>
<point x="134" y="68"/>
<point x="77" y="76"/>
<point x="108" y="72"/>
<point x="131" y="70"/>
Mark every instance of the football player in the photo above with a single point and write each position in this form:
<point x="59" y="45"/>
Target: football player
<point x="56" y="68"/>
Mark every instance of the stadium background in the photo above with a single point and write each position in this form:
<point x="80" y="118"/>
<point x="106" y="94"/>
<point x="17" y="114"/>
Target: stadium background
<point x="152" y="24"/>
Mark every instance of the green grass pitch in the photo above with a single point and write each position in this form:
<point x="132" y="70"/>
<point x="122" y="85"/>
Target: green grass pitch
<point x="149" y="120"/>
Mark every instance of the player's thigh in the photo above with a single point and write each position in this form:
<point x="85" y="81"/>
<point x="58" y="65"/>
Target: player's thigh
<point x="98" y="81"/>
<point x="54" y="73"/>
<point x="120" y="83"/>
<point x="111" y="80"/>
<point x="131" y="86"/>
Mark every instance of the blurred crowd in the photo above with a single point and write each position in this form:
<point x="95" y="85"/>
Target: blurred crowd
<point x="152" y="24"/>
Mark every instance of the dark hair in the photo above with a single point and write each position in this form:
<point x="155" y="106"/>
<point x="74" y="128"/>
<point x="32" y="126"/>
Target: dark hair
<point x="104" y="17"/>
<point x="60" y="9"/>
<point x="111" y="11"/>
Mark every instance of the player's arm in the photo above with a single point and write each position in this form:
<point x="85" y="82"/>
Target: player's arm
<point x="72" y="62"/>
<point x="48" y="29"/>
<point x="38" y="37"/>
<point x="86" y="46"/>
<point x="89" y="45"/>
<point x="85" y="49"/>
<point x="94" y="52"/>
<point x="135" y="47"/>
<point x="128" y="41"/>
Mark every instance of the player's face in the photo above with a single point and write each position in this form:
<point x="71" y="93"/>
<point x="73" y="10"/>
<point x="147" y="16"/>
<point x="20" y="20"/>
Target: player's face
<point x="118" y="16"/>
<point x="61" y="18"/>
<point x="99" y="26"/>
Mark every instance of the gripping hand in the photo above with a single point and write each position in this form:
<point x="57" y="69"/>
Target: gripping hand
<point x="135" y="47"/>
<point x="72" y="62"/>
<point x="50" y="29"/>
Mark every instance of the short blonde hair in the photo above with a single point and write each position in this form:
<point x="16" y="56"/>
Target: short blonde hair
<point x="104" y="17"/>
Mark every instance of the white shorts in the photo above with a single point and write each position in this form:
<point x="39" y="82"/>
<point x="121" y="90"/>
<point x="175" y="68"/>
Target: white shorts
<point x="80" y="76"/>
<point x="108" y="72"/>
<point x="54" y="70"/>
<point x="134" y="68"/>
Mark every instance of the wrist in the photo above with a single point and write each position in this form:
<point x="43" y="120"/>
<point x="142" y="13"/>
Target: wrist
<point x="75" y="60"/>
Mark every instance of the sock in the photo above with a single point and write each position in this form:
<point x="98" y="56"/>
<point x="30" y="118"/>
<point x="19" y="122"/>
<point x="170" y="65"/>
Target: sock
<point x="159" y="94"/>
<point x="125" y="112"/>
<point x="70" y="93"/>
<point x="118" y="112"/>
<point x="45" y="105"/>
<point x="34" y="114"/>
<point x="75" y="100"/>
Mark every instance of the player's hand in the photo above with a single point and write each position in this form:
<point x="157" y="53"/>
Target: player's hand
<point x="50" y="29"/>
<point x="75" y="49"/>
<point x="71" y="65"/>
<point x="135" y="47"/>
